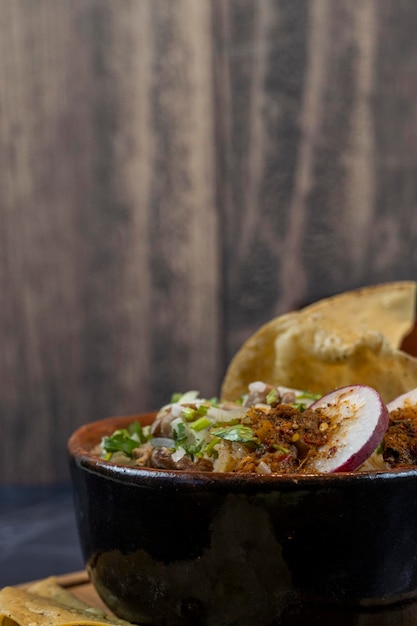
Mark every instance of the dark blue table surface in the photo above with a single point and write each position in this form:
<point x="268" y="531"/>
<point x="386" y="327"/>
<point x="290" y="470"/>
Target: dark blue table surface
<point x="38" y="536"/>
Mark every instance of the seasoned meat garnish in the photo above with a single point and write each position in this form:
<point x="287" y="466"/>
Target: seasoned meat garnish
<point x="399" y="447"/>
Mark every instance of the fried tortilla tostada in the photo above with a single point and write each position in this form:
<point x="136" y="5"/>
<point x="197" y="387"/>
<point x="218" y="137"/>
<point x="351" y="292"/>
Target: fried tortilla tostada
<point x="46" y="603"/>
<point x="350" y="338"/>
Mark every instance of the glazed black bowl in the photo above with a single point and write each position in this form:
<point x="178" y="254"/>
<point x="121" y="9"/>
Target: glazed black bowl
<point x="169" y="547"/>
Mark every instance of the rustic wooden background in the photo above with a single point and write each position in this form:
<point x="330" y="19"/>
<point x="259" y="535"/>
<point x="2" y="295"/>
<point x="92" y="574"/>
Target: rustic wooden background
<point x="173" y="174"/>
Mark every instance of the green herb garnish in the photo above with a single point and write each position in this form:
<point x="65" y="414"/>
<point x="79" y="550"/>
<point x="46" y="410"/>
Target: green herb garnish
<point x="179" y="432"/>
<point x="135" y="430"/>
<point x="200" y="424"/>
<point x="125" y="440"/>
<point x="189" y="413"/>
<point x="272" y="397"/>
<point x="209" y="448"/>
<point x="120" y="441"/>
<point x="242" y="434"/>
<point x="280" y="448"/>
<point x="305" y="399"/>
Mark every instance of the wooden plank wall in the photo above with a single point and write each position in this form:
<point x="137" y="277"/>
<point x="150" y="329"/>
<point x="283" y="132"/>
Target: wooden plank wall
<point x="173" y="174"/>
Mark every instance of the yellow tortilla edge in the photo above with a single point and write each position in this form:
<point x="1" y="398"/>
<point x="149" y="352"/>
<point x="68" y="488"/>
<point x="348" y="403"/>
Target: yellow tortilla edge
<point x="58" y="608"/>
<point x="256" y="357"/>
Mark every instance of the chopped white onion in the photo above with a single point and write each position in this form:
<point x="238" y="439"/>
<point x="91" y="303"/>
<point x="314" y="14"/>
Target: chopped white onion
<point x="178" y="454"/>
<point x="263" y="468"/>
<point x="257" y="387"/>
<point x="224" y="415"/>
<point x="188" y="397"/>
<point x="176" y="410"/>
<point x="162" y="442"/>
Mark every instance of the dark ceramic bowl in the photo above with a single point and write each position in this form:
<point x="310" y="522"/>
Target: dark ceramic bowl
<point x="167" y="547"/>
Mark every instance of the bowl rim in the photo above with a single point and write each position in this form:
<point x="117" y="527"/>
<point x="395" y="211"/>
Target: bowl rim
<point x="87" y="435"/>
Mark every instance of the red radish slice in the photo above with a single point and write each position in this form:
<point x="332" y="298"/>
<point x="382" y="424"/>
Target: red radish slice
<point x="406" y="399"/>
<point x="358" y="421"/>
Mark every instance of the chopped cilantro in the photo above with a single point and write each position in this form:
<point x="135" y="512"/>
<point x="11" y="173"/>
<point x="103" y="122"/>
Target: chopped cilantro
<point x="120" y="441"/>
<point x="209" y="448"/>
<point x="125" y="439"/>
<point x="135" y="430"/>
<point x="240" y="433"/>
<point x="180" y="432"/>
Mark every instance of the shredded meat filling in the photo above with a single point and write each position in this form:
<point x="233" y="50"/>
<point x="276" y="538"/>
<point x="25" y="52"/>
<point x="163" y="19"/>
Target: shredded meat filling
<point x="399" y="447"/>
<point x="287" y="437"/>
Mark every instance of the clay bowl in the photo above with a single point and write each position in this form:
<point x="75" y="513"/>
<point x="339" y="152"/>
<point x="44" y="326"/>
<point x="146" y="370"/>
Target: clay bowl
<point x="168" y="547"/>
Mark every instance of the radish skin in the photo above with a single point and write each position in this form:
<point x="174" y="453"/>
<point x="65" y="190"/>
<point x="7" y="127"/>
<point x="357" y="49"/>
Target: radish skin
<point x="358" y="422"/>
<point x="406" y="399"/>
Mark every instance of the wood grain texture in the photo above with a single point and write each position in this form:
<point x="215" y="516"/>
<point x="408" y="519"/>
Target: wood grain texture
<point x="174" y="174"/>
